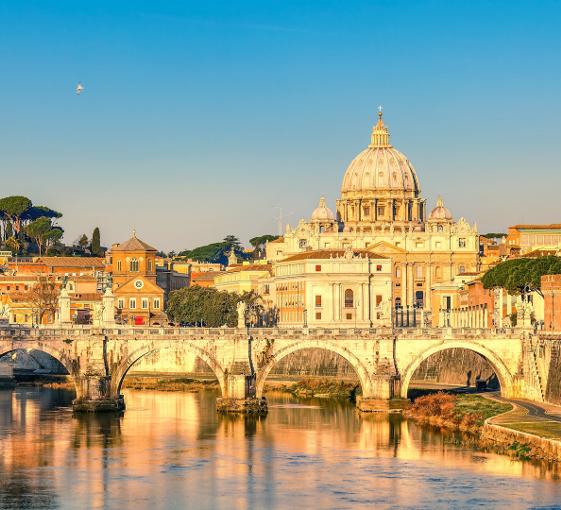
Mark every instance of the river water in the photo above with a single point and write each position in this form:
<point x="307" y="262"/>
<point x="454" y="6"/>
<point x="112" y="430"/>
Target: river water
<point x="171" y="450"/>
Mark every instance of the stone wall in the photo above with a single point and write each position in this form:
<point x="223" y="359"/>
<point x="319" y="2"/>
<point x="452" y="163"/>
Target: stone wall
<point x="553" y="360"/>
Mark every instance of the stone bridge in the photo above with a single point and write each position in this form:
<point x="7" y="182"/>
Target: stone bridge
<point x="384" y="359"/>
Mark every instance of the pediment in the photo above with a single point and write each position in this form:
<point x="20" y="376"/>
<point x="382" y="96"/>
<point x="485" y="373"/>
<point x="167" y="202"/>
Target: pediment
<point x="383" y="248"/>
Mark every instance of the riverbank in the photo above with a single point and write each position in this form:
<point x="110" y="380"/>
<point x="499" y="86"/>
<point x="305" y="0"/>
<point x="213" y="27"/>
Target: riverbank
<point x="491" y="425"/>
<point x="312" y="387"/>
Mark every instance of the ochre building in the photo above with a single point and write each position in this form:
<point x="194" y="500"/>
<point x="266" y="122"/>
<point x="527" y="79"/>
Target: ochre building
<point x="139" y="300"/>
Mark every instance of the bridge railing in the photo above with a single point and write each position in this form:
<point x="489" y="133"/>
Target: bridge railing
<point x="139" y="332"/>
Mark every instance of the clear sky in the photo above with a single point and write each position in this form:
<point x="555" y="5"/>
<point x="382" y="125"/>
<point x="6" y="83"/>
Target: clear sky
<point x="199" y="118"/>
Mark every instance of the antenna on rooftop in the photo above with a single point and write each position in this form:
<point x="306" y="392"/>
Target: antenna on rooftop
<point x="280" y="219"/>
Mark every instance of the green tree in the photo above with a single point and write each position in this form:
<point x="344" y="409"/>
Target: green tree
<point x="38" y="231"/>
<point x="259" y="243"/>
<point x="518" y="275"/>
<point x="206" y="306"/>
<point x="13" y="244"/>
<point x="14" y="208"/>
<point x="96" y="242"/>
<point x="53" y="237"/>
<point x="83" y="242"/>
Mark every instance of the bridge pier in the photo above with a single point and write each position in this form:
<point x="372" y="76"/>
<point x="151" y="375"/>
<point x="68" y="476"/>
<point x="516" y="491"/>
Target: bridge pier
<point x="383" y="396"/>
<point x="240" y="396"/>
<point x="95" y="395"/>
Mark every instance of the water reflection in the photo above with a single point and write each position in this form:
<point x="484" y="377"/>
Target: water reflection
<point x="171" y="450"/>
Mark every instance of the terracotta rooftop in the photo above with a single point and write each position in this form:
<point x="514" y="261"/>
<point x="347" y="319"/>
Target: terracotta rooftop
<point x="205" y="275"/>
<point x="133" y="244"/>
<point x="540" y="227"/>
<point x="330" y="254"/>
<point x="71" y="261"/>
<point x="249" y="267"/>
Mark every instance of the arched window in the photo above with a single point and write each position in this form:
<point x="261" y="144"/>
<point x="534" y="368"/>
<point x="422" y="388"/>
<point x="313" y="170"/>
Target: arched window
<point x="133" y="265"/>
<point x="462" y="269"/>
<point x="349" y="298"/>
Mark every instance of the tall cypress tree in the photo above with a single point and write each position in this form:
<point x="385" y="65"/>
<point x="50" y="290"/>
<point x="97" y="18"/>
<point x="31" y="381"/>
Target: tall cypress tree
<point x="96" y="242"/>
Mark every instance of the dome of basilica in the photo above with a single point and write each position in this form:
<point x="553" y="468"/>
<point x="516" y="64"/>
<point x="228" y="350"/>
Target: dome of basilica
<point x="440" y="213"/>
<point x="379" y="167"/>
<point x="322" y="212"/>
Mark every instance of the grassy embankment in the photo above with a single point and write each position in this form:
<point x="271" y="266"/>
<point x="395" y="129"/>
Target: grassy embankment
<point x="466" y="413"/>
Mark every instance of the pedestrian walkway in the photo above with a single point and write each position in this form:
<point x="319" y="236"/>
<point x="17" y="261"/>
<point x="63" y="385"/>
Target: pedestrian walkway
<point x="541" y="419"/>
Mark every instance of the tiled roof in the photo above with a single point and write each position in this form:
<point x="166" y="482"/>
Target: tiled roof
<point x="205" y="275"/>
<point x="538" y="227"/>
<point x="250" y="267"/>
<point x="71" y="261"/>
<point x="133" y="244"/>
<point x="330" y="254"/>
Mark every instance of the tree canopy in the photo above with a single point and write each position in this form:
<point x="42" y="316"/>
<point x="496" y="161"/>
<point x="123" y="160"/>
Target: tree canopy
<point x="24" y="224"/>
<point x="205" y="306"/>
<point x="517" y="274"/>
<point x="95" y="246"/>
<point x="494" y="235"/>
<point x="216" y="252"/>
<point x="259" y="243"/>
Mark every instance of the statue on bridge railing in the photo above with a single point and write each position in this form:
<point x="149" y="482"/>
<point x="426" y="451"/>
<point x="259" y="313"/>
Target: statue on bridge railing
<point x="241" y="309"/>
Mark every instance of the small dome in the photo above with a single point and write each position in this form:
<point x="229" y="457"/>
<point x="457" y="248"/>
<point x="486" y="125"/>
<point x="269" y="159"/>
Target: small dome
<point x="440" y="213"/>
<point x="322" y="212"/>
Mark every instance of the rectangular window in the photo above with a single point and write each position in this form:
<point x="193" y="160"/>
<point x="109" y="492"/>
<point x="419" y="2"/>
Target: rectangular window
<point x="318" y="316"/>
<point x="132" y="303"/>
<point x="349" y="316"/>
<point x="302" y="243"/>
<point x="461" y="242"/>
<point x="378" y="299"/>
<point x="379" y="267"/>
<point x="157" y="303"/>
<point x="318" y="268"/>
<point x="120" y="304"/>
<point x="144" y="303"/>
<point x="318" y="300"/>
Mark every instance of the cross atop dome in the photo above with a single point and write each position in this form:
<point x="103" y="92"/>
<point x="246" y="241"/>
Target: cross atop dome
<point x="380" y="134"/>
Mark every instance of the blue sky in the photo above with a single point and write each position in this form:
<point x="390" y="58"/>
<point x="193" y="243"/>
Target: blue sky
<point x="199" y="118"/>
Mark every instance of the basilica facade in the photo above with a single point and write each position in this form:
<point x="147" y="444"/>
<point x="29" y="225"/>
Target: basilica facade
<point x="381" y="211"/>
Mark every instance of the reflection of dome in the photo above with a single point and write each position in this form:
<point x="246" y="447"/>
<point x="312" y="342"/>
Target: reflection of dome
<point x="379" y="167"/>
<point x="322" y="212"/>
<point x="440" y="213"/>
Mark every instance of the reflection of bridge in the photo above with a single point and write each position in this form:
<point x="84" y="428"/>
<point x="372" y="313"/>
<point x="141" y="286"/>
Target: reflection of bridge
<point x="384" y="359"/>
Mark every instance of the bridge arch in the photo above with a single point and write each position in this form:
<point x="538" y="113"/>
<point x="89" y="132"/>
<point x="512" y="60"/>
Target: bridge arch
<point x="134" y="357"/>
<point x="280" y="353"/>
<point x="47" y="347"/>
<point x="503" y="374"/>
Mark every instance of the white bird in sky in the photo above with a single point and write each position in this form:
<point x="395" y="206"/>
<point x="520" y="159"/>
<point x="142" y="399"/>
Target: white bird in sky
<point x="79" y="89"/>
